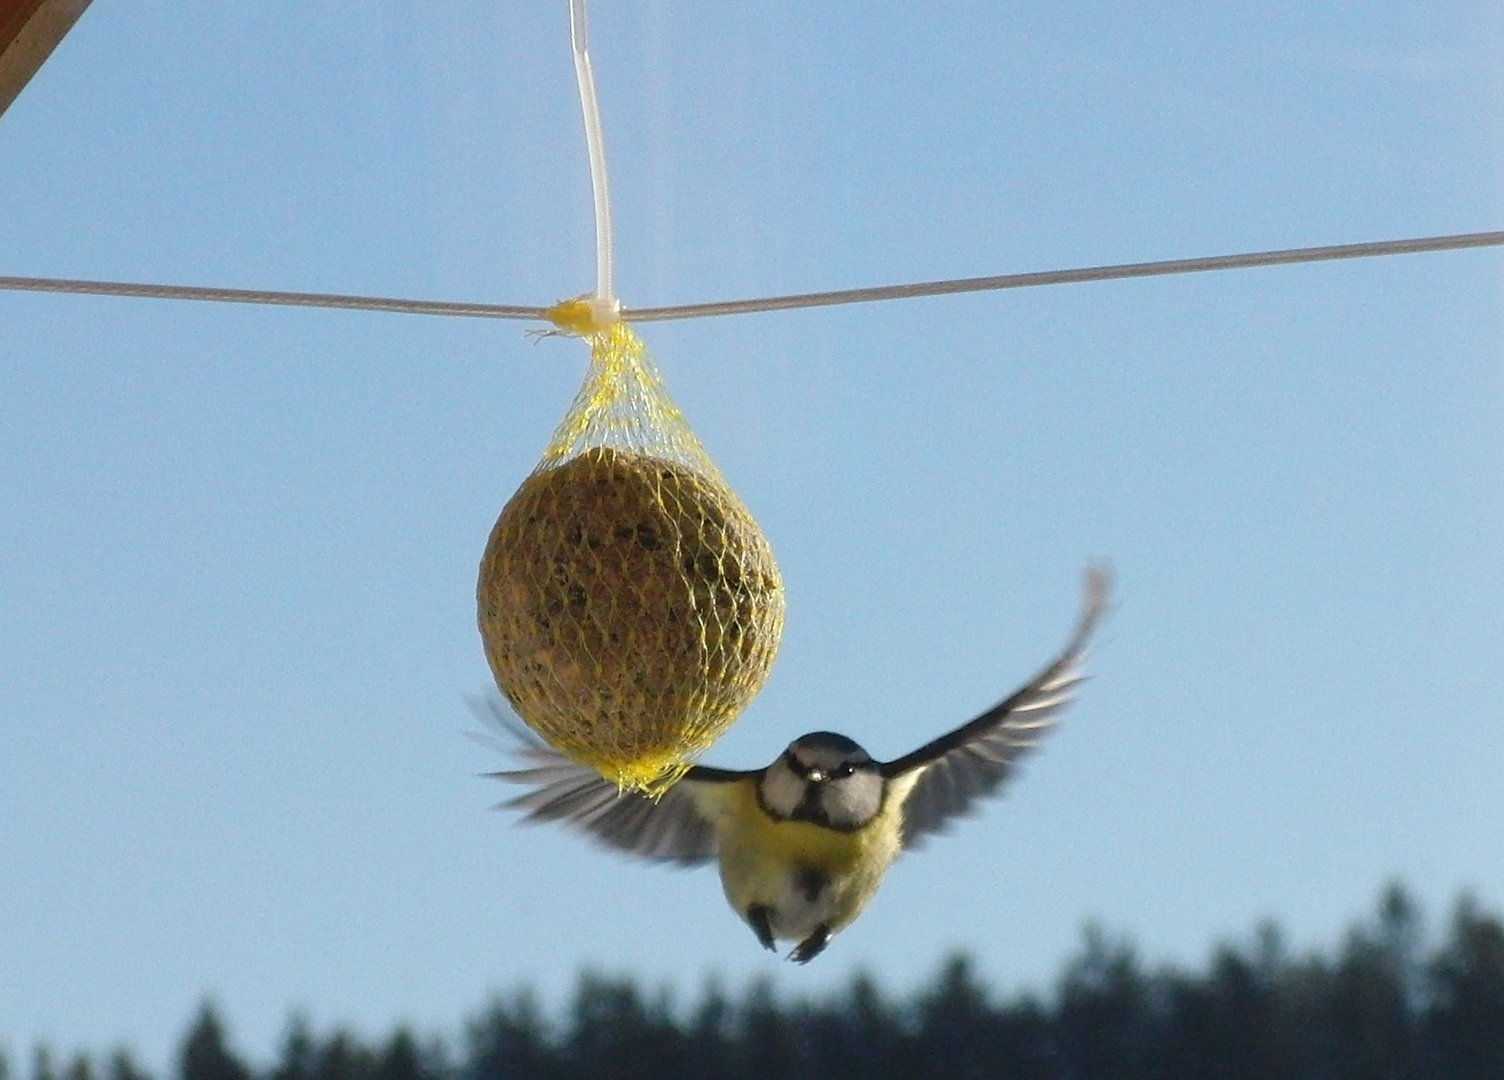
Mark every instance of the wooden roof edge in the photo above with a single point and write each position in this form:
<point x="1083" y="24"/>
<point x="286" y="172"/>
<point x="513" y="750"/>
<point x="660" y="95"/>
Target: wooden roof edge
<point x="29" y="31"/>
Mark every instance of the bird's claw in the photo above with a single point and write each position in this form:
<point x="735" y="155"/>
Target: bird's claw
<point x="757" y="918"/>
<point x="811" y="946"/>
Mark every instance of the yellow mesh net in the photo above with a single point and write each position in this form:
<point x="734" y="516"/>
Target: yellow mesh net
<point x="629" y="603"/>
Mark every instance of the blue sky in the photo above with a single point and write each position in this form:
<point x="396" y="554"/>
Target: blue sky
<point x="237" y="596"/>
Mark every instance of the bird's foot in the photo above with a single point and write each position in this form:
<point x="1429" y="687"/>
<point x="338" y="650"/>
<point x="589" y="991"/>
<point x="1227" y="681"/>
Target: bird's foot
<point x="757" y="917"/>
<point x="811" y="946"/>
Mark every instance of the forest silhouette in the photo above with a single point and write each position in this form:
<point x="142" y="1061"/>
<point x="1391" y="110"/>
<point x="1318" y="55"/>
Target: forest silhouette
<point x="1385" y="1003"/>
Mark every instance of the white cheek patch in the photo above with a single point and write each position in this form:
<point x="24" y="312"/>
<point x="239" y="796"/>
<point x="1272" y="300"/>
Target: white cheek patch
<point x="852" y="802"/>
<point x="782" y="791"/>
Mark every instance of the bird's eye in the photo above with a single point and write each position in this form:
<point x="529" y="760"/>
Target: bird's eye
<point x="844" y="770"/>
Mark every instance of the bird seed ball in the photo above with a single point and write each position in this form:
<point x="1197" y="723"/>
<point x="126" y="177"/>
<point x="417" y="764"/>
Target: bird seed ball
<point x="630" y="607"/>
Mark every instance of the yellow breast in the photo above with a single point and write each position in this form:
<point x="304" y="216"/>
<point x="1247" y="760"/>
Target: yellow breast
<point x="758" y="855"/>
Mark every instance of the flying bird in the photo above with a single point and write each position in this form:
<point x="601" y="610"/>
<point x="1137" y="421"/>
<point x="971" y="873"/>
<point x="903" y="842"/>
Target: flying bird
<point x="804" y="843"/>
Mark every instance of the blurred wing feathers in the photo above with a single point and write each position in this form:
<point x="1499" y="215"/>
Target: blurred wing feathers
<point x="949" y="774"/>
<point x="672" y="828"/>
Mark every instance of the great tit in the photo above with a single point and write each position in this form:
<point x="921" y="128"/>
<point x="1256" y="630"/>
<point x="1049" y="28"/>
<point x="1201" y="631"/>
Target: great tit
<point x="804" y="843"/>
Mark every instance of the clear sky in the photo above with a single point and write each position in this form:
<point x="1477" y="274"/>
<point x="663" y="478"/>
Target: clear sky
<point x="237" y="582"/>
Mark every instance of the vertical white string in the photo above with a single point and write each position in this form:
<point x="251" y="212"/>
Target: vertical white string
<point x="605" y="286"/>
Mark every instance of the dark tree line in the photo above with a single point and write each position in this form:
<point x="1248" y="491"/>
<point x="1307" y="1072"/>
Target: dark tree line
<point x="1383" y="1005"/>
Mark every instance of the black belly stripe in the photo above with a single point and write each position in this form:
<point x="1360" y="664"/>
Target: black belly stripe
<point x="811" y="882"/>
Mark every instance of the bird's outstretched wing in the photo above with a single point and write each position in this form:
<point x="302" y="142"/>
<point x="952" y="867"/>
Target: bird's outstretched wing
<point x="971" y="762"/>
<point x="672" y="828"/>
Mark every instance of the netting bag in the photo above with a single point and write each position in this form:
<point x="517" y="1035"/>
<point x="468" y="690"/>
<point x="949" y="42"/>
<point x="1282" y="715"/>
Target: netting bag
<point x="629" y="603"/>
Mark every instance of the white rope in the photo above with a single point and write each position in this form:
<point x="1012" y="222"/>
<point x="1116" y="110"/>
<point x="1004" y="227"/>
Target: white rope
<point x="774" y="303"/>
<point x="264" y="296"/>
<point x="1064" y="277"/>
<point x="595" y="144"/>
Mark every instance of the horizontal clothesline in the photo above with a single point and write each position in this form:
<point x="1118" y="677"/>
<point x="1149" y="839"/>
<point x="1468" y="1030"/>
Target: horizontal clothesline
<point x="868" y="294"/>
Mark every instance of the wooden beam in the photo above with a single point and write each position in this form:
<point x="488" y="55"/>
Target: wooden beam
<point x="29" y="31"/>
